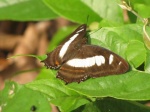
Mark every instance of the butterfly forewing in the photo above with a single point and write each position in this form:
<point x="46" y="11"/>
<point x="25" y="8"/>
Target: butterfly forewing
<point x="63" y="52"/>
<point x="73" y="42"/>
<point x="53" y="61"/>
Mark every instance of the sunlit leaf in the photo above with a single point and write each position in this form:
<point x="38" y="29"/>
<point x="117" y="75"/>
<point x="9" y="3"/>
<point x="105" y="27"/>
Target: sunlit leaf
<point x="25" y="10"/>
<point x="72" y="10"/>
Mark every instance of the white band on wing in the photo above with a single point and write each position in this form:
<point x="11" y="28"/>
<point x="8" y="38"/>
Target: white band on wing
<point x="87" y="62"/>
<point x="111" y="58"/>
<point x="66" y="45"/>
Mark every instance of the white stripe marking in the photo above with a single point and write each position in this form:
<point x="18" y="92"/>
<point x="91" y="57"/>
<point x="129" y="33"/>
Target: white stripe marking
<point x="99" y="60"/>
<point x="66" y="45"/>
<point x="80" y="30"/>
<point x="87" y="62"/>
<point x="111" y="58"/>
<point x="120" y="63"/>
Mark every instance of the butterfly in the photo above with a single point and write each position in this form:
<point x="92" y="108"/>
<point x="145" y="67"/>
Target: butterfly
<point x="76" y="60"/>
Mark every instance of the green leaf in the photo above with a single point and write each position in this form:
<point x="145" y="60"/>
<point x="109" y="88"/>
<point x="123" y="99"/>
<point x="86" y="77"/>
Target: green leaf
<point x="9" y="90"/>
<point x="107" y="23"/>
<point x="146" y="37"/>
<point x="147" y="63"/>
<point x="107" y="9"/>
<point x="123" y="40"/>
<point x="136" y="53"/>
<point x="143" y="10"/>
<point x="141" y="7"/>
<point x="114" y="105"/>
<point x="73" y="10"/>
<point x="24" y="99"/>
<point x="70" y="103"/>
<point x="91" y="107"/>
<point x="25" y="10"/>
<point x="139" y="2"/>
<point x="42" y="57"/>
<point x="46" y="74"/>
<point x="117" y="86"/>
<point x="57" y="92"/>
<point x="116" y="38"/>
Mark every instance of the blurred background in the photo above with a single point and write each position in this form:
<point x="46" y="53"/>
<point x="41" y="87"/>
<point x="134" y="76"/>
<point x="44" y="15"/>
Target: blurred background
<point x="24" y="38"/>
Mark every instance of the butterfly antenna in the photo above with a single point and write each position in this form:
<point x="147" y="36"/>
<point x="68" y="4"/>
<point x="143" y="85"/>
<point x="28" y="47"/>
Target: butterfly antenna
<point x="87" y="19"/>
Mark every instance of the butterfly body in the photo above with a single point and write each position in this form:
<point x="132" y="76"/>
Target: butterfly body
<point x="76" y="60"/>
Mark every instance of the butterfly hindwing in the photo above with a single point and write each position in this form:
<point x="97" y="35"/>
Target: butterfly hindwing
<point x="71" y="74"/>
<point x="92" y="61"/>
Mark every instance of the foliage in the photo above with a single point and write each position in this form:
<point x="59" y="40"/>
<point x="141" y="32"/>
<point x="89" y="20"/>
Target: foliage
<point x="126" y="92"/>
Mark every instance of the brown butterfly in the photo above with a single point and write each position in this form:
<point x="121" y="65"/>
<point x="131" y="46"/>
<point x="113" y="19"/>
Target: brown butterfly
<point x="76" y="61"/>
